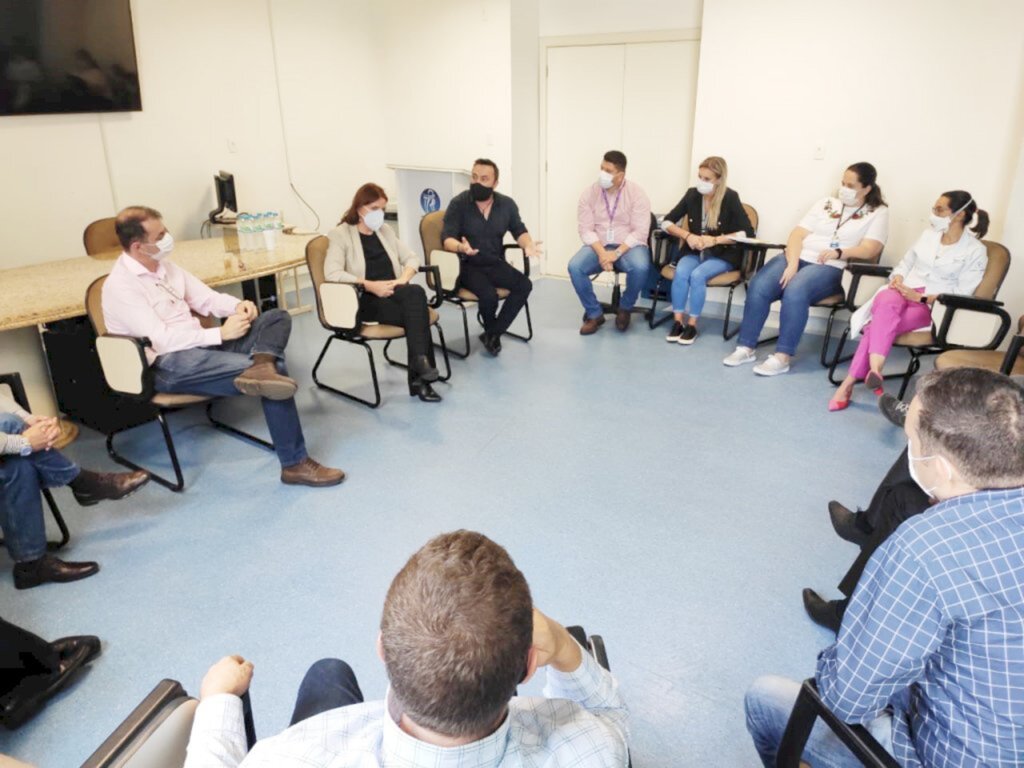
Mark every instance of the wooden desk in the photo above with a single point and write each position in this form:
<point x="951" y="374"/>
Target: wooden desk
<point x="43" y="293"/>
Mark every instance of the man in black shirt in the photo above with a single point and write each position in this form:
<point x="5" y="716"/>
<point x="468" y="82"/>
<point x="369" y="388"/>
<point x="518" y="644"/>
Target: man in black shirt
<point x="474" y="227"/>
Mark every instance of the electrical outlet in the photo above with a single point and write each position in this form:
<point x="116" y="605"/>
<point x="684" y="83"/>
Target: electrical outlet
<point x="232" y="146"/>
<point x="819" y="151"/>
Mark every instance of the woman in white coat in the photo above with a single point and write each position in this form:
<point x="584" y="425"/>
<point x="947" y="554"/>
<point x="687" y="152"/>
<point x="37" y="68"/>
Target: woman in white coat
<point x="365" y="251"/>
<point x="947" y="258"/>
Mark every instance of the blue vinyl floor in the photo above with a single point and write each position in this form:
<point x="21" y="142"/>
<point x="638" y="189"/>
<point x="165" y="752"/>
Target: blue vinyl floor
<point x="669" y="503"/>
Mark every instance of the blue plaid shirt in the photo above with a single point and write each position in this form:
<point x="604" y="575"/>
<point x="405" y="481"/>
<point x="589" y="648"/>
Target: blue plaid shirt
<point x="935" y="630"/>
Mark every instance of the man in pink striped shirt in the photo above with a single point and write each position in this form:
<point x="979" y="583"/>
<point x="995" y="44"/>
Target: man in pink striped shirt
<point x="147" y="296"/>
<point x="614" y="222"/>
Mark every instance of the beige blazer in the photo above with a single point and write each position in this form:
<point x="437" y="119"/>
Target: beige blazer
<point x="345" y="262"/>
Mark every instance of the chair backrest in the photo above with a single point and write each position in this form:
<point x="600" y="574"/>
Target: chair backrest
<point x="94" y="305"/>
<point x="995" y="271"/>
<point x="751" y="212"/>
<point x="337" y="304"/>
<point x="431" y="227"/>
<point x="750" y="256"/>
<point x="100" y="239"/>
<point x="122" y="360"/>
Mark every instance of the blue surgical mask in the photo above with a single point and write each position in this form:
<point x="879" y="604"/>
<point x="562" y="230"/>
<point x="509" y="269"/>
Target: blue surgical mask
<point x="374" y="219"/>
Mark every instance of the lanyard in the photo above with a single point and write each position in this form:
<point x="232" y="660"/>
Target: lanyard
<point x="842" y="221"/>
<point x="611" y="211"/>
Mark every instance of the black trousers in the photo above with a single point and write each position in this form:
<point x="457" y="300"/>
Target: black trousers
<point x="897" y="499"/>
<point x="23" y="654"/>
<point x="484" y="280"/>
<point x="406" y="307"/>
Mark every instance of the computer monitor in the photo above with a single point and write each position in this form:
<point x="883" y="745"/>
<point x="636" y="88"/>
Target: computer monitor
<point x="227" y="203"/>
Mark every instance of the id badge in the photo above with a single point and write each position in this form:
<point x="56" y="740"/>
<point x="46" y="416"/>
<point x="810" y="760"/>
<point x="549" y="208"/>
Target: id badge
<point x="610" y="235"/>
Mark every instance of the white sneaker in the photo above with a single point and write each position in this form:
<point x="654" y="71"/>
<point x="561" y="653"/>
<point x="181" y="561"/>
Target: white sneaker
<point x="740" y="356"/>
<point x="772" y="366"/>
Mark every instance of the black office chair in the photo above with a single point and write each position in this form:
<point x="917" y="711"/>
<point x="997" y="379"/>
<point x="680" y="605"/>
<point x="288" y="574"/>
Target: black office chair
<point x="13" y="381"/>
<point x="808" y="708"/>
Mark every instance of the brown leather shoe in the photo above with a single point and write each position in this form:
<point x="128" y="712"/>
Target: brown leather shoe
<point x="263" y="380"/>
<point x="93" y="487"/>
<point x="309" y="472"/>
<point x="622" y="318"/>
<point x="591" y="324"/>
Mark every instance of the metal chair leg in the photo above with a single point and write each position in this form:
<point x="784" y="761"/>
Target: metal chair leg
<point x="373" y="373"/>
<point x="529" y="326"/>
<point x="727" y="332"/>
<point x="65" y="534"/>
<point x="653" y="311"/>
<point x="444" y="353"/>
<point x="179" y="483"/>
<point x="912" y="368"/>
<point x="235" y="431"/>
<point x="838" y="359"/>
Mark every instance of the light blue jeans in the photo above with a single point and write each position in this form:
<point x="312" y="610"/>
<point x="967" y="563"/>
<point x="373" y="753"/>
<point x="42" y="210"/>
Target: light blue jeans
<point x="691" y="282"/>
<point x="768" y="704"/>
<point x="811" y="283"/>
<point x="636" y="263"/>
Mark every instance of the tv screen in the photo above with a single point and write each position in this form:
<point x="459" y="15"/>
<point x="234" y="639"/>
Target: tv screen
<point x="59" y="56"/>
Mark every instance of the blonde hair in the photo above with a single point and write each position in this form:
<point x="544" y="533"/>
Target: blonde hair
<point x="720" y="168"/>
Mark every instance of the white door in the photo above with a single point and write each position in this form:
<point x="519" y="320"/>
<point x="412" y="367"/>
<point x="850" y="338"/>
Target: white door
<point x="636" y="97"/>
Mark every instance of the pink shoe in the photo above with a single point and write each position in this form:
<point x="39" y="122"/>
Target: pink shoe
<point x="875" y="383"/>
<point x="838" y="405"/>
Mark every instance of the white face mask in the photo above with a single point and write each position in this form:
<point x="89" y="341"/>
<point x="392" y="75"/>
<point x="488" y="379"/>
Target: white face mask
<point x="911" y="458"/>
<point x="164" y="245"/>
<point x="374" y="219"/>
<point x="705" y="187"/>
<point x="605" y="179"/>
<point x="847" y="196"/>
<point x="942" y="223"/>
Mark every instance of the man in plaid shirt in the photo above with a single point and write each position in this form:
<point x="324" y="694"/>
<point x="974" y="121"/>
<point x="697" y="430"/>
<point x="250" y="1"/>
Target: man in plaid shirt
<point x="930" y="654"/>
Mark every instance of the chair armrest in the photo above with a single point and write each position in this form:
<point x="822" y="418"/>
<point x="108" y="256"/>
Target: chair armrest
<point x="963" y="320"/>
<point x="340" y="304"/>
<point x="808" y="708"/>
<point x="124" y="365"/>
<point x="1012" y="353"/>
<point x="449" y="266"/>
<point x="872" y="270"/>
<point x="516" y="247"/>
<point x="433" y="273"/>
<point x="13" y="380"/>
<point x="661" y="247"/>
<point x="159" y="725"/>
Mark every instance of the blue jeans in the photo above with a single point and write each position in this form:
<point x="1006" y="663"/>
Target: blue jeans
<point x="811" y="283"/>
<point x="213" y="370"/>
<point x="691" y="281"/>
<point x="768" y="704"/>
<point x="21" y="506"/>
<point x="636" y="263"/>
<point x="329" y="684"/>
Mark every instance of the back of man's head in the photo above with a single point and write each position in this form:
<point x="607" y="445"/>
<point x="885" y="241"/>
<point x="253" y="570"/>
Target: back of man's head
<point x="129" y="224"/>
<point x="975" y="418"/>
<point x="456" y="634"/>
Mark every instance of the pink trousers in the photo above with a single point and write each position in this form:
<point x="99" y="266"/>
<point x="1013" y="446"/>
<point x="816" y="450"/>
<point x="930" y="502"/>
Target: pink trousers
<point x="891" y="315"/>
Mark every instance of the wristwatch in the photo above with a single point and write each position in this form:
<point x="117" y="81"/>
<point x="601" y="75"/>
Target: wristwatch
<point x="26" y="449"/>
<point x="839" y="252"/>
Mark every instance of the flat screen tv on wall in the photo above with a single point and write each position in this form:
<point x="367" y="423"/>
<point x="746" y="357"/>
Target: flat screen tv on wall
<point x="60" y="56"/>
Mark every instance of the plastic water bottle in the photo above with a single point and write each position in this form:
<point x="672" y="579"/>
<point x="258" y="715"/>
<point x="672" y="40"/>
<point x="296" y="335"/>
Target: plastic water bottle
<point x="244" y="224"/>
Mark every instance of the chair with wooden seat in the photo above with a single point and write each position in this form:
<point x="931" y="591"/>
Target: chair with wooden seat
<point x="1009" y="363"/>
<point x="100" y="239"/>
<point x="337" y="306"/>
<point x="447" y="263"/>
<point x="17" y="390"/>
<point x="976" y="322"/>
<point x="732" y="279"/>
<point x="127" y="372"/>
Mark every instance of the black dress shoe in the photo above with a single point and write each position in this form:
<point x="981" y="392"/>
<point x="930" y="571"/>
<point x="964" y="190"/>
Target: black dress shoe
<point x="424" y="391"/>
<point x="424" y="369"/>
<point x="93" y="487"/>
<point x="824" y="613"/>
<point x="30" y="694"/>
<point x="491" y="342"/>
<point x="49" y="568"/>
<point x="894" y="409"/>
<point x="845" y="524"/>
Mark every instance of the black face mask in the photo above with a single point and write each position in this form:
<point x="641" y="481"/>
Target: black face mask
<point x="479" y="192"/>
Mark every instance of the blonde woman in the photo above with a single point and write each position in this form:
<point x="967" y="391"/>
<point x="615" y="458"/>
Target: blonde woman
<point x="704" y="221"/>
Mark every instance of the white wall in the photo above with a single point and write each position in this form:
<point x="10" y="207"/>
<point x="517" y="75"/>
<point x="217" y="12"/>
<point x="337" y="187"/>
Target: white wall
<point x="594" y="17"/>
<point x="931" y="97"/>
